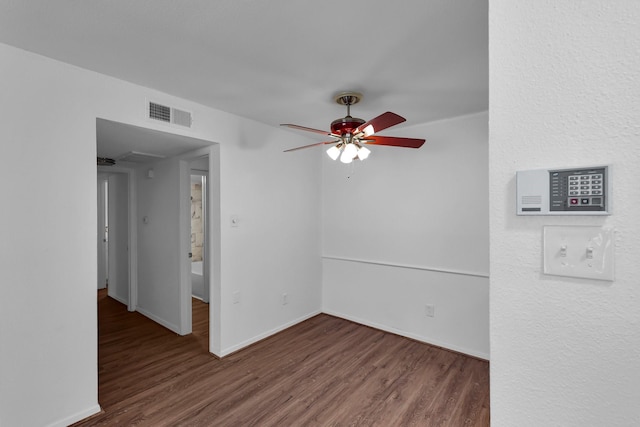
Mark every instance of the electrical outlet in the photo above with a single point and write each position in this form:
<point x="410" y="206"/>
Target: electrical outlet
<point x="285" y="299"/>
<point x="236" y="297"/>
<point x="430" y="310"/>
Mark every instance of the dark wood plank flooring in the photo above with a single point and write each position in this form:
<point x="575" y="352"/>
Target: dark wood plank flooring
<point x="325" y="371"/>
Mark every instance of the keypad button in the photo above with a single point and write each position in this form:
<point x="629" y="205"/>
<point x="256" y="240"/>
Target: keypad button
<point x="573" y="201"/>
<point x="583" y="177"/>
<point x="597" y="182"/>
<point x="573" y="178"/>
<point x="596" y="192"/>
<point x="584" y="192"/>
<point x="573" y="193"/>
<point x="584" y="201"/>
<point x="573" y="188"/>
<point x="596" y="186"/>
<point x="596" y="176"/>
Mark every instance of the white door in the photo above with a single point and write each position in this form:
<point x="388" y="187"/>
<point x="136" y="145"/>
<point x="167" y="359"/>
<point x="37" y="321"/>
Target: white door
<point x="118" y="241"/>
<point x="102" y="235"/>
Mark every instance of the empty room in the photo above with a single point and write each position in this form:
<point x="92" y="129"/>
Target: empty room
<point x="370" y="250"/>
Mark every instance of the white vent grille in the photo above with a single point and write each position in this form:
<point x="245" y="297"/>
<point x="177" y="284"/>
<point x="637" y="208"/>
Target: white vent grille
<point x="159" y="112"/>
<point x="531" y="200"/>
<point x="171" y="115"/>
<point x="182" y="118"/>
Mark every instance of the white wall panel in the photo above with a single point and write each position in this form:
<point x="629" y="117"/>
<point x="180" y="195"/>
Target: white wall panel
<point x="393" y="298"/>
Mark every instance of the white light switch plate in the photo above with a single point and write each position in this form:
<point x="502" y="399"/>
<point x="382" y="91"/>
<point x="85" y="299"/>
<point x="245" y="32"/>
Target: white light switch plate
<point x="579" y="251"/>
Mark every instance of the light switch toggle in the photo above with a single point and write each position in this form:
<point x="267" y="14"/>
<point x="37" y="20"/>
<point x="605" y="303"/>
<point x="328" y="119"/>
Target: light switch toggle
<point x="589" y="253"/>
<point x="563" y="250"/>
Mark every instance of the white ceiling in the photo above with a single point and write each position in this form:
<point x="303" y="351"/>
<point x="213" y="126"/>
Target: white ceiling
<point x="277" y="61"/>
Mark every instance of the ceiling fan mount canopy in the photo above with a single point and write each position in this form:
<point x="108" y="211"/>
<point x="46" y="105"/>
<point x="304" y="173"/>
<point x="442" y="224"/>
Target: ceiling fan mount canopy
<point x="348" y="98"/>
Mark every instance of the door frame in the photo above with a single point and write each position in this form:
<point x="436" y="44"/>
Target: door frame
<point x="213" y="238"/>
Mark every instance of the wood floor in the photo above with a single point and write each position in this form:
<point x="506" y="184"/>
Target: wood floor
<point x="322" y="372"/>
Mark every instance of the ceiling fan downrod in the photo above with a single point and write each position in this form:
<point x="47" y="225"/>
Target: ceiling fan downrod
<point x="348" y="99"/>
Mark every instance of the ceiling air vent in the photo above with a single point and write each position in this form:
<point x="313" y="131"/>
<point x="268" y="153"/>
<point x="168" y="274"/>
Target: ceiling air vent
<point x="169" y="115"/>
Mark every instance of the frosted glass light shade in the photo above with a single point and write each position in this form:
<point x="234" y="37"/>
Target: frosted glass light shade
<point x="350" y="150"/>
<point x="345" y="157"/>
<point x="363" y="153"/>
<point x="333" y="152"/>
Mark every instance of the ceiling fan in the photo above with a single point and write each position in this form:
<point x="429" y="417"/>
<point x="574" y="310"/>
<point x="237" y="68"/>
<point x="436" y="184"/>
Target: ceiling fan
<point x="352" y="134"/>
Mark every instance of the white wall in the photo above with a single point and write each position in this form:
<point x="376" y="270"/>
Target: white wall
<point x="48" y="365"/>
<point x="158" y="257"/>
<point x="564" y="91"/>
<point x="275" y="248"/>
<point x="406" y="228"/>
<point x="48" y="346"/>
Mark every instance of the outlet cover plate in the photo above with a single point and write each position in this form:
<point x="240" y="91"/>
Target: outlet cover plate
<point x="430" y="310"/>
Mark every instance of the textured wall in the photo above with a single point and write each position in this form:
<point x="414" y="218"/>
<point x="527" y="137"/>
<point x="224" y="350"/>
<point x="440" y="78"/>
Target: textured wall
<point x="565" y="91"/>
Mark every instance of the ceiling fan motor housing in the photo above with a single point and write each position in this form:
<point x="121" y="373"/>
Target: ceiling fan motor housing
<point x="345" y="125"/>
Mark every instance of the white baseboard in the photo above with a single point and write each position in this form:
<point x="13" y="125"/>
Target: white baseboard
<point x="426" y="340"/>
<point x="78" y="416"/>
<point x="168" y="325"/>
<point x="227" y="351"/>
<point x="120" y="300"/>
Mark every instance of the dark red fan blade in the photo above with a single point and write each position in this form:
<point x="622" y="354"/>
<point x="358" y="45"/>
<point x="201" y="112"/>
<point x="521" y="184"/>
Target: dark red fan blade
<point x="394" y="141"/>
<point x="310" y="145"/>
<point x="383" y="121"/>
<point x="323" y="132"/>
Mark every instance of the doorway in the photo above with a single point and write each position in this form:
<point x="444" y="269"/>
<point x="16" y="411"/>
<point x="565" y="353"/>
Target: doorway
<point x="159" y="239"/>
<point x="117" y="237"/>
<point x="199" y="260"/>
<point x="199" y="230"/>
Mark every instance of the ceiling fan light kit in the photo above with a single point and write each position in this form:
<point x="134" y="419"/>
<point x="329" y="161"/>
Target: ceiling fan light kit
<point x="351" y="133"/>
